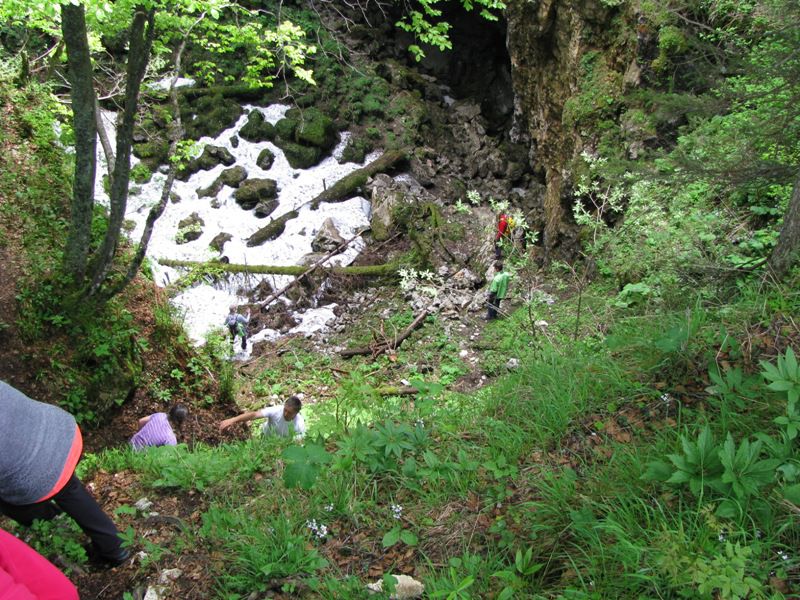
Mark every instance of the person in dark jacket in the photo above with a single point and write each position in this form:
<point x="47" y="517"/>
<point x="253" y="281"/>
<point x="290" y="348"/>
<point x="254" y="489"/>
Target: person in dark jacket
<point x="40" y="446"/>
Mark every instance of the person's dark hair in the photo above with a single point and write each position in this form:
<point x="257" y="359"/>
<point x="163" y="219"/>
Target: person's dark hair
<point x="178" y="414"/>
<point x="498" y="265"/>
<point x="294" y="403"/>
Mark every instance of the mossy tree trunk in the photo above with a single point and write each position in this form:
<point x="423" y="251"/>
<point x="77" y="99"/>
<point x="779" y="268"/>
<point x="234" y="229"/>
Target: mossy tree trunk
<point x="73" y="27"/>
<point x="786" y="250"/>
<point x="296" y="270"/>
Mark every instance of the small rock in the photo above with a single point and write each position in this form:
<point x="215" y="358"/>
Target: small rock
<point x="406" y="587"/>
<point x="512" y="364"/>
<point x="541" y="324"/>
<point x="464" y="353"/>
<point x="168" y="575"/>
<point x="143" y="504"/>
<point x="155" y="592"/>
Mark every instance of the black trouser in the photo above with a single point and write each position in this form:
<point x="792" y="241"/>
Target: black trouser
<point x="241" y="331"/>
<point x="493" y="305"/>
<point x="75" y="500"/>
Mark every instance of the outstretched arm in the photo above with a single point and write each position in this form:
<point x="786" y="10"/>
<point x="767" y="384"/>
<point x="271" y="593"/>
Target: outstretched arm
<point x="143" y="421"/>
<point x="245" y="416"/>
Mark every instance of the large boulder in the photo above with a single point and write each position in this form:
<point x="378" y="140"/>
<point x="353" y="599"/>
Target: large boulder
<point x="209" y="115"/>
<point x="233" y="177"/>
<point x="189" y="229"/>
<point x="253" y="191"/>
<point x="210" y="158"/>
<point x="300" y="156"/>
<point x="327" y="238"/>
<point x="305" y="136"/>
<point x="257" y="129"/>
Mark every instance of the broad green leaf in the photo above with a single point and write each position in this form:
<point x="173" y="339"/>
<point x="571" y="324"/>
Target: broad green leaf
<point x="391" y="537"/>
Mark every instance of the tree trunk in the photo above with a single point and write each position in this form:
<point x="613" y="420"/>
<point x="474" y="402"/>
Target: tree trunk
<point x="141" y="39"/>
<point x="785" y="253"/>
<point x="73" y="27"/>
<point x="383" y="270"/>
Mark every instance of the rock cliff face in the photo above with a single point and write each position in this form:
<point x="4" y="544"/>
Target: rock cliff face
<point x="567" y="58"/>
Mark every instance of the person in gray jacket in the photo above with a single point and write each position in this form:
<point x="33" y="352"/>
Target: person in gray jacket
<point x="40" y="446"/>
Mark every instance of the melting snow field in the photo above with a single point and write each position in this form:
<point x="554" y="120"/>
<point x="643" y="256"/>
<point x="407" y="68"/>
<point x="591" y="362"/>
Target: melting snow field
<point x="205" y="305"/>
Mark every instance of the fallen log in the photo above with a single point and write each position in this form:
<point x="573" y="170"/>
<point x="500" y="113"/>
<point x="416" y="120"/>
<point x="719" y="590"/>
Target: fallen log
<point x="271" y="231"/>
<point x="312" y="268"/>
<point x="345" y="187"/>
<point x="394" y="390"/>
<point x="380" y="347"/>
<point x="296" y="270"/>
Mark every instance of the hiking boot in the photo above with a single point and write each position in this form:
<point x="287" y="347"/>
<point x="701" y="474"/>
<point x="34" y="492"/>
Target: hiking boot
<point x="119" y="558"/>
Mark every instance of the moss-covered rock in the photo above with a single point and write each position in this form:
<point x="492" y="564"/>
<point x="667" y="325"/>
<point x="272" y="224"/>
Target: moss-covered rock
<point x="253" y="191"/>
<point x="141" y="173"/>
<point x="152" y="153"/>
<point x="272" y="231"/>
<point x="219" y="241"/>
<point x="265" y="159"/>
<point x="257" y="129"/>
<point x="209" y="115"/>
<point x="285" y="128"/>
<point x="210" y="158"/>
<point x="265" y="208"/>
<point x="316" y="129"/>
<point x="356" y="150"/>
<point x="210" y="191"/>
<point x="299" y="156"/>
<point x="189" y="229"/>
<point x="234" y="176"/>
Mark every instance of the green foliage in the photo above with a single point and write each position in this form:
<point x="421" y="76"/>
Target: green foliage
<point x="421" y="22"/>
<point x="59" y="537"/>
<point x="303" y="465"/>
<point x="259" y="551"/>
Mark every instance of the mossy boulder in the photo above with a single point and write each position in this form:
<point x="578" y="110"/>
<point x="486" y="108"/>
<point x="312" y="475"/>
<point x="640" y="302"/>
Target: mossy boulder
<point x="209" y="115"/>
<point x="356" y="150"/>
<point x="152" y="153"/>
<point x="272" y="231"/>
<point x="253" y="191"/>
<point x="219" y="241"/>
<point x="234" y="176"/>
<point x="141" y="173"/>
<point x="299" y="156"/>
<point x="210" y="158"/>
<point x="314" y="128"/>
<point x="305" y="136"/>
<point x="210" y="191"/>
<point x="257" y="129"/>
<point x="265" y="159"/>
<point x="285" y="128"/>
<point x="189" y="229"/>
<point x="265" y="208"/>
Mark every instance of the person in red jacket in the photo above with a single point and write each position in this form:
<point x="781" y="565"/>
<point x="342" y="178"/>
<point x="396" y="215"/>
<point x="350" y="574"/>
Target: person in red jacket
<point x="27" y="575"/>
<point x="503" y="233"/>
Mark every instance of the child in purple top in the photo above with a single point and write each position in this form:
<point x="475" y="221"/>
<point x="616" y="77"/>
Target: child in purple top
<point x="156" y="429"/>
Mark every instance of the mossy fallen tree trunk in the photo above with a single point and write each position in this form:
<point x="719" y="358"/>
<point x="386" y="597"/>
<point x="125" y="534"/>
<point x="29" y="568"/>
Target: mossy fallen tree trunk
<point x="381" y="346"/>
<point x="384" y="270"/>
<point x="394" y="390"/>
<point x="272" y="231"/>
<point x="344" y="188"/>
